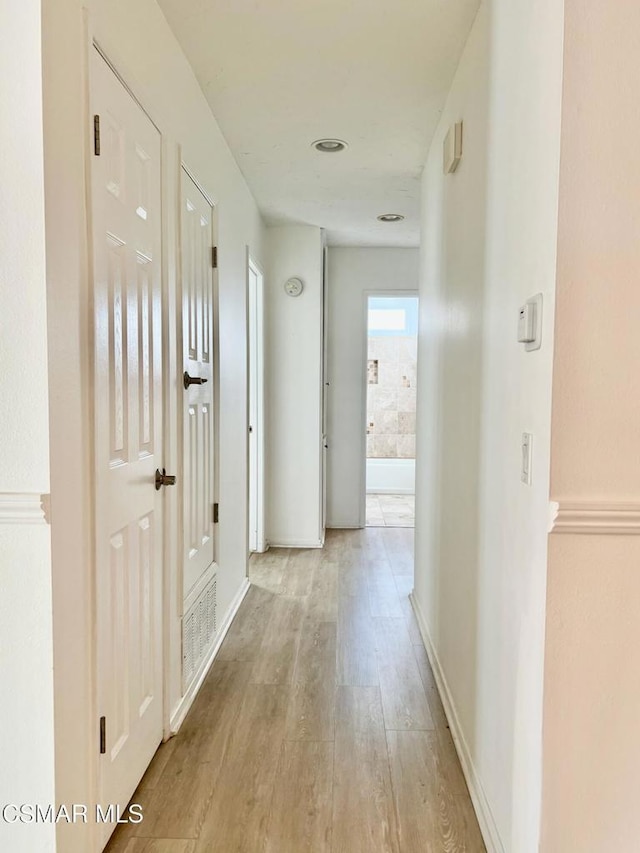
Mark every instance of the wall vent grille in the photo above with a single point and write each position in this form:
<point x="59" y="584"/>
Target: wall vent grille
<point x="199" y="629"/>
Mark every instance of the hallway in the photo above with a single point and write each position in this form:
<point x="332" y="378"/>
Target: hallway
<point x="319" y="727"/>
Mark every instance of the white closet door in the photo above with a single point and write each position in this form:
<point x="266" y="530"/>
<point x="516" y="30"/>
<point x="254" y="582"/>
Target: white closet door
<point x="126" y="211"/>
<point x="199" y="397"/>
<point x="256" y="408"/>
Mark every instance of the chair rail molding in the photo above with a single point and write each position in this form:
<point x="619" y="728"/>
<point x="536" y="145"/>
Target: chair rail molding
<point x="24" y="508"/>
<point x="595" y="517"/>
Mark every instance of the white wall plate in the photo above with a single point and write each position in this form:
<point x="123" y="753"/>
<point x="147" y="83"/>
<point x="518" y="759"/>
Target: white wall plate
<point x="452" y="149"/>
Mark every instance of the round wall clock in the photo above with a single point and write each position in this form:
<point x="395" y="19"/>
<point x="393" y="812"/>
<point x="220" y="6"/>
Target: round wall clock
<point x="293" y="286"/>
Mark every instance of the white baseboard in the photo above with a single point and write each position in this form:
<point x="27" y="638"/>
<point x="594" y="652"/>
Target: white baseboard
<point x="391" y="491"/>
<point x="295" y="543"/>
<point x="182" y="708"/>
<point x="339" y="526"/>
<point x="488" y="827"/>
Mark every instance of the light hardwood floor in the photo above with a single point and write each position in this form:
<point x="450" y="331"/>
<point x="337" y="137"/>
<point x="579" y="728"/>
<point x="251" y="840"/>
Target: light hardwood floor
<point x="319" y="728"/>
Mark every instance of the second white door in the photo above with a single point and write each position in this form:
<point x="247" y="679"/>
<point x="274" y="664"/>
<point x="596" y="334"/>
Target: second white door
<point x="256" y="408"/>
<point x="198" y="391"/>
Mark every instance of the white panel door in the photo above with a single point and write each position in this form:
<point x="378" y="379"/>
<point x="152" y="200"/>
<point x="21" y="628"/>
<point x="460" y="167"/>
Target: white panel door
<point x="198" y="395"/>
<point x="324" y="393"/>
<point x="256" y="408"/>
<point x="126" y="209"/>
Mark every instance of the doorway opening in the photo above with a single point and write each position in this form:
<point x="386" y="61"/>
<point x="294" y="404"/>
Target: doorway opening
<point x="255" y="298"/>
<point x="391" y="386"/>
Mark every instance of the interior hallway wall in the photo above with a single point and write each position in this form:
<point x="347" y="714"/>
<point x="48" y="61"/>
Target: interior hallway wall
<point x="352" y="273"/>
<point x="592" y="668"/>
<point x="293" y="360"/>
<point x="137" y="39"/>
<point x="26" y="632"/>
<point x="489" y="243"/>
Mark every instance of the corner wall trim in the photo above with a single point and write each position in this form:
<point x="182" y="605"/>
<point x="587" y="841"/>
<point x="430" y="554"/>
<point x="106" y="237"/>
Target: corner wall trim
<point x="481" y="805"/>
<point x="589" y="517"/>
<point x="182" y="708"/>
<point x="23" y="508"/>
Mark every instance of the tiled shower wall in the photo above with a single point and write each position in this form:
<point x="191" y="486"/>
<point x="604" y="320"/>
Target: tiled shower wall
<point x="391" y="400"/>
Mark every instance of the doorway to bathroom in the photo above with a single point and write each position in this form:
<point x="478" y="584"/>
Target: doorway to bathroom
<point x="392" y="346"/>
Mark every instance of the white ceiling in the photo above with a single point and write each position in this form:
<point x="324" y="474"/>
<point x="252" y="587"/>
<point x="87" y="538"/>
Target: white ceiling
<point x="280" y="74"/>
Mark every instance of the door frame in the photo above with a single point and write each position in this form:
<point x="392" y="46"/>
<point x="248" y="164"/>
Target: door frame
<point x="368" y="294"/>
<point x="256" y="382"/>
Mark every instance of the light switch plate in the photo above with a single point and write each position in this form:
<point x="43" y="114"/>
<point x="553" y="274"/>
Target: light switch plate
<point x="527" y="457"/>
<point x="527" y="324"/>
<point x="452" y="149"/>
<point x="530" y="323"/>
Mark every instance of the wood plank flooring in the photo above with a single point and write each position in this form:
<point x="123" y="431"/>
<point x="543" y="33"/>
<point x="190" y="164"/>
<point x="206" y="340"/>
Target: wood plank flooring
<point x="319" y="728"/>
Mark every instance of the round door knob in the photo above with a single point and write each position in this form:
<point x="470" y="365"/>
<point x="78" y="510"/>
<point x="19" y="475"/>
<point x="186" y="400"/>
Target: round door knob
<point x="164" y="479"/>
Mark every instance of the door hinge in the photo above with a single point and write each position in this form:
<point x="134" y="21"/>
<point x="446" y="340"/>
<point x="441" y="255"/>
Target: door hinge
<point x="96" y="135"/>
<point x="103" y="735"/>
<point x="216" y="508"/>
<point x="214" y="257"/>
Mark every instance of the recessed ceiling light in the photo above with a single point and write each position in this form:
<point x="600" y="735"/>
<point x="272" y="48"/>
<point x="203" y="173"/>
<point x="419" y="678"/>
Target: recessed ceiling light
<point x="329" y="146"/>
<point x="390" y="217"/>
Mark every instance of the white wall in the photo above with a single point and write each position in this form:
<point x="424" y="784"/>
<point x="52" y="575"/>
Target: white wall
<point x="293" y="338"/>
<point x="592" y="691"/>
<point x="26" y="634"/>
<point x="138" y="41"/>
<point x="489" y="242"/>
<point x="351" y="274"/>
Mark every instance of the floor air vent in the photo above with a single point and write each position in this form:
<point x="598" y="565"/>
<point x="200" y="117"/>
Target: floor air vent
<point x="198" y="632"/>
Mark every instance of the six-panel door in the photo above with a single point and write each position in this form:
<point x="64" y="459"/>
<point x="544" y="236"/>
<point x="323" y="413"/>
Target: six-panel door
<point x="198" y="399"/>
<point x="126" y="220"/>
